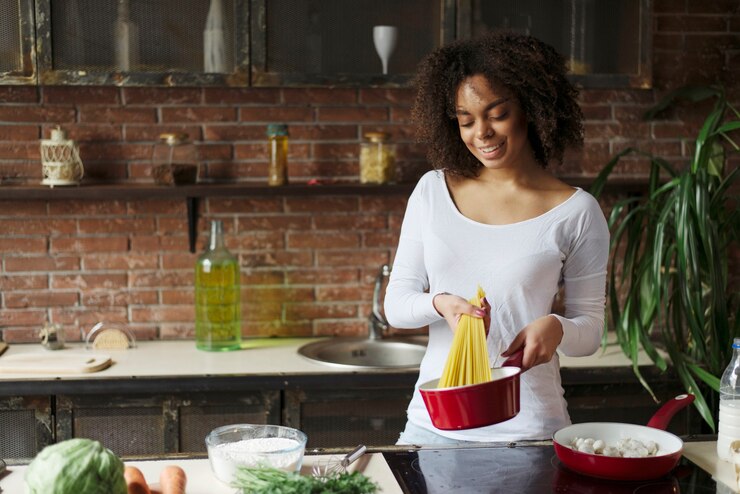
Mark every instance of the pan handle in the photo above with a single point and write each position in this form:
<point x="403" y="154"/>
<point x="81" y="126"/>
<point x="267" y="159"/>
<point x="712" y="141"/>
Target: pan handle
<point x="515" y="360"/>
<point x="663" y="416"/>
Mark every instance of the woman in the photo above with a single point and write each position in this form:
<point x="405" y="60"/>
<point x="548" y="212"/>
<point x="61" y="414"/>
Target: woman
<point x="494" y="112"/>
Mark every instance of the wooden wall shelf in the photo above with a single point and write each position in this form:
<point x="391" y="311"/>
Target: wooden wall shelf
<point x="192" y="193"/>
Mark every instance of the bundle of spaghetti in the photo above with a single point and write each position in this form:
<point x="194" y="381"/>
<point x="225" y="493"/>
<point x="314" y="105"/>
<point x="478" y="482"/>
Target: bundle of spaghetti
<point x="467" y="362"/>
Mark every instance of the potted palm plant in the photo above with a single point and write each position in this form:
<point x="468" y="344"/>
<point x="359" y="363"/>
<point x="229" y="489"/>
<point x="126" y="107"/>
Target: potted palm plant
<point x="669" y="281"/>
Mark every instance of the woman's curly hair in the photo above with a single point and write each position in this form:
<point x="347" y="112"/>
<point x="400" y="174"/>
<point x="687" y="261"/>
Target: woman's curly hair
<point x="532" y="70"/>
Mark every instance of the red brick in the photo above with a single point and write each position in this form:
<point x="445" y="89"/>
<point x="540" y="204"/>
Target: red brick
<point x="713" y="7"/>
<point x="380" y="239"/>
<point x="319" y="311"/>
<point x="241" y="96"/>
<point x="400" y="115"/>
<point x="22" y="245"/>
<point x="280" y="258"/>
<point x="181" y="313"/>
<point x="36" y="226"/>
<point x="627" y="114"/>
<point x="152" y="132"/>
<point x="89" y="244"/>
<point x="276" y="114"/>
<point x="174" y="332"/>
<point x="86" y="95"/>
<point x="128" y="261"/>
<point x="116" y="225"/>
<point x="42" y="263"/>
<point x="19" y="94"/>
<point x="19" y="132"/>
<point x="174" y="207"/>
<point x="114" y="115"/>
<point x="323" y="132"/>
<point x="198" y="114"/>
<point x="245" y="206"/>
<point x="177" y="297"/>
<point x="321" y="276"/>
<point x="256" y="151"/>
<point x="395" y="203"/>
<point x="326" y="204"/>
<point x="23" y="282"/>
<point x="22" y="318"/>
<point x="19" y="300"/>
<point x="353" y="114"/>
<point x="354" y="258"/>
<point x="169" y="226"/>
<point x="54" y="115"/>
<point x="382" y="96"/>
<point x="262" y="240"/>
<point x="607" y="96"/>
<point x="88" y="132"/>
<point x="87" y="317"/>
<point x="278" y="294"/>
<point x="215" y="152"/>
<point x="235" y="133"/>
<point x="597" y="112"/>
<point x="103" y="169"/>
<point x="114" y="151"/>
<point x="320" y="96"/>
<point x="86" y="208"/>
<point x="162" y="96"/>
<point x="340" y="328"/>
<point x="161" y="279"/>
<point x="664" y="129"/>
<point x="352" y="222"/>
<point x="19" y="151"/>
<point x="329" y="150"/>
<point x="668" y="42"/>
<point x="281" y="223"/>
<point x="107" y="298"/>
<point x="179" y="261"/>
<point x="89" y="281"/>
<point x="720" y="42"/>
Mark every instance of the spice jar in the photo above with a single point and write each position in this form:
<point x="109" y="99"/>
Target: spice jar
<point x="377" y="159"/>
<point x="277" y="171"/>
<point x="174" y="160"/>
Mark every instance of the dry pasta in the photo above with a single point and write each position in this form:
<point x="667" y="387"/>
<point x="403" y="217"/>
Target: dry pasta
<point x="467" y="362"/>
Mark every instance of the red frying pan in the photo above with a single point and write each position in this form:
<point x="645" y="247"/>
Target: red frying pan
<point x="620" y="468"/>
<point x="476" y="405"/>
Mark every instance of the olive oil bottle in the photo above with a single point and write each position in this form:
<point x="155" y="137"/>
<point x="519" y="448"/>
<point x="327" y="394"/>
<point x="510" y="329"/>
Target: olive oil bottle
<point x="217" y="296"/>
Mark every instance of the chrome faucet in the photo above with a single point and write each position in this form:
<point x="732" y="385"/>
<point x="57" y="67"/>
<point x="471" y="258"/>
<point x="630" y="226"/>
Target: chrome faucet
<point x="377" y="324"/>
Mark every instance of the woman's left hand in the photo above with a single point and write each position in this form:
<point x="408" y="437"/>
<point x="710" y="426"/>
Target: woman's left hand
<point x="540" y="340"/>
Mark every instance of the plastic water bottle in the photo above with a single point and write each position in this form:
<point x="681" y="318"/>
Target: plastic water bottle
<point x="217" y="296"/>
<point x="729" y="405"/>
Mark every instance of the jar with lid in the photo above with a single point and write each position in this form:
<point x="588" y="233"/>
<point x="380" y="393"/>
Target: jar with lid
<point x="174" y="160"/>
<point x="377" y="159"/>
<point x="729" y="405"/>
<point x="277" y="138"/>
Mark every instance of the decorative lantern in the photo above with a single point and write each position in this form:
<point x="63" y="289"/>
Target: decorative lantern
<point x="60" y="160"/>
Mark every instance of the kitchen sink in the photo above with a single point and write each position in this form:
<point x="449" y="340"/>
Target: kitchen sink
<point x="387" y="353"/>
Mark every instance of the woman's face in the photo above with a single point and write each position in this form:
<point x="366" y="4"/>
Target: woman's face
<point x="492" y="124"/>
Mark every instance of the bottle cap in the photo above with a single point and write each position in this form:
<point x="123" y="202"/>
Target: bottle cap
<point x="736" y="343"/>
<point x="277" y="130"/>
<point x="376" y="136"/>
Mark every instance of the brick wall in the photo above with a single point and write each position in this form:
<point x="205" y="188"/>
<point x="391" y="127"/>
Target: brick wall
<point x="308" y="263"/>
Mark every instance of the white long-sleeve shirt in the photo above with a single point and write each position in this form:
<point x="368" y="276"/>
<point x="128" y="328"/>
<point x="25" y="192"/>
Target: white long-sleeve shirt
<point x="520" y="266"/>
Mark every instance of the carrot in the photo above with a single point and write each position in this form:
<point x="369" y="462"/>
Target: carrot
<point x="135" y="482"/>
<point x="172" y="480"/>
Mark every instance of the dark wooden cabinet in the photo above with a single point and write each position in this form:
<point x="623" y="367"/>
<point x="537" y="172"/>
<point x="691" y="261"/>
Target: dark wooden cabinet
<point x="17" y="43"/>
<point x="301" y="42"/>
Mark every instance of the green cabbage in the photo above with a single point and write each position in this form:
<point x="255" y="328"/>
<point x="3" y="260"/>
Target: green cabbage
<point x="76" y="466"/>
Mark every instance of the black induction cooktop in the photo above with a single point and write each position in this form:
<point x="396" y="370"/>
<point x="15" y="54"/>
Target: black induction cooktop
<point x="523" y="470"/>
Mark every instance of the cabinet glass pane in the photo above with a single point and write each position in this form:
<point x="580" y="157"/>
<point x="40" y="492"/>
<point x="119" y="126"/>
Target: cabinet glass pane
<point x="595" y="36"/>
<point x="336" y="36"/>
<point x="10" y="37"/>
<point x="135" y="35"/>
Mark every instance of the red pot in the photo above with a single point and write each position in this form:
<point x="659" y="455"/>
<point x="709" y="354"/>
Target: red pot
<point x="618" y="468"/>
<point x="476" y="405"/>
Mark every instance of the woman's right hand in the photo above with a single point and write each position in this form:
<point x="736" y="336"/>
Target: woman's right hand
<point x="452" y="307"/>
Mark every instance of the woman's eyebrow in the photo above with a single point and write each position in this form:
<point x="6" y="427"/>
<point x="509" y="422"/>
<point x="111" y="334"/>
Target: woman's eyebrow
<point x="493" y="104"/>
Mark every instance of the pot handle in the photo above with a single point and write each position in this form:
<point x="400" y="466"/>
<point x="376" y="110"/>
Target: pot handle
<point x="515" y="360"/>
<point x="663" y="416"/>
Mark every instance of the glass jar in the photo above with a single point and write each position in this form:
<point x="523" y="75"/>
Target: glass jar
<point x="174" y="160"/>
<point x="217" y="296"/>
<point x="277" y="171"/>
<point x="377" y="159"/>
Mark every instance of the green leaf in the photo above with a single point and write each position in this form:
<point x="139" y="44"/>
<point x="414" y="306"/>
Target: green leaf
<point x="691" y="93"/>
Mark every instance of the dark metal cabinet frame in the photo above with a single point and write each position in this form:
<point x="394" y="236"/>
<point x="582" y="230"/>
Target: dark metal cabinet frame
<point x="48" y="75"/>
<point x="26" y="74"/>
<point x="251" y="55"/>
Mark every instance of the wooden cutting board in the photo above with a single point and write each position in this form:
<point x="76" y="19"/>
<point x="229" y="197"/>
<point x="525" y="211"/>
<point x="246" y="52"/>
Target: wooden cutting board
<point x="54" y="363"/>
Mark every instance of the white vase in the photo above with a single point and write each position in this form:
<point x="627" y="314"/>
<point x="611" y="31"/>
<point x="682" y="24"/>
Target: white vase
<point x="385" y="38"/>
<point x="214" y="47"/>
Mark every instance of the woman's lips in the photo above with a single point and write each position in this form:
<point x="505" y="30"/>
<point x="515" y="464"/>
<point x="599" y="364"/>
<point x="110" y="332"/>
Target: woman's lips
<point x="492" y="152"/>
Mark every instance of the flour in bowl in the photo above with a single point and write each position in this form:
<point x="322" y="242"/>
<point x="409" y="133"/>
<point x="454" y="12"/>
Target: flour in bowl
<point x="276" y="452"/>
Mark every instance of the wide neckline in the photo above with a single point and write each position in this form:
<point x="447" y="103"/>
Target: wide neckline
<point x="453" y="206"/>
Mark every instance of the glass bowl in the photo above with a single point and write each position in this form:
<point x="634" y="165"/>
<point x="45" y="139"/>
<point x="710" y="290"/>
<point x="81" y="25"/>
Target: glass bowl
<point x="253" y="445"/>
